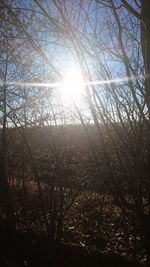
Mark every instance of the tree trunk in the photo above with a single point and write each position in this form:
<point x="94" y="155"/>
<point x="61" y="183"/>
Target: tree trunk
<point x="3" y="173"/>
<point x="145" y="42"/>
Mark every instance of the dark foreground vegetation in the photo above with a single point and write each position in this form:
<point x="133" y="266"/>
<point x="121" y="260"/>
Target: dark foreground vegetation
<point x="61" y="210"/>
<point x="29" y="250"/>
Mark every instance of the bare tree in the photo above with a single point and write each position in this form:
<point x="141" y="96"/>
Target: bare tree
<point x="109" y="40"/>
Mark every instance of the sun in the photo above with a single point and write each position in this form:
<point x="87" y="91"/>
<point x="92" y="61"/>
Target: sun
<point x="73" y="87"/>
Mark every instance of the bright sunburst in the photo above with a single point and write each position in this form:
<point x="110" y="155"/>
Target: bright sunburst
<point x="73" y="87"/>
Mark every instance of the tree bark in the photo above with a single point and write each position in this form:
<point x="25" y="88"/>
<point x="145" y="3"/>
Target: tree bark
<point x="145" y="42"/>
